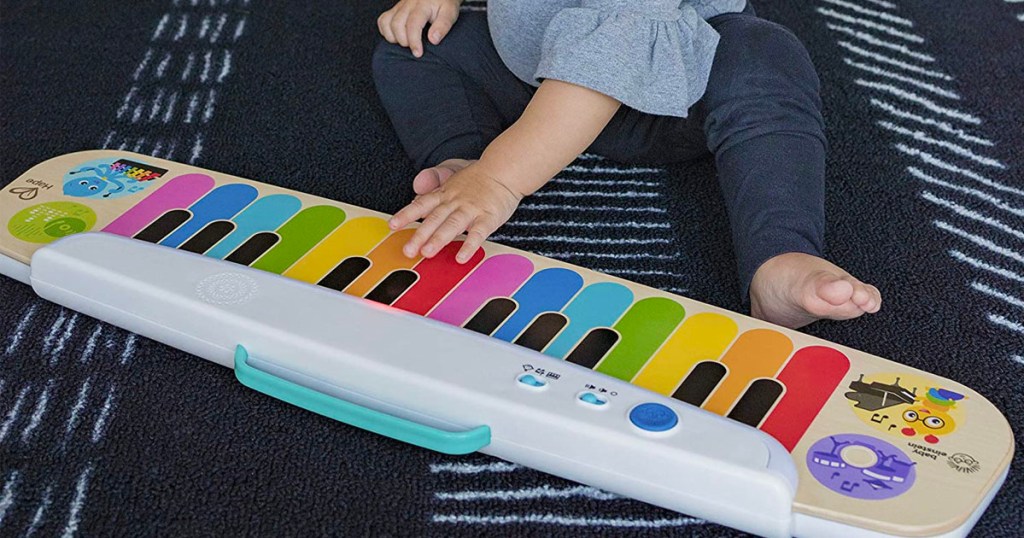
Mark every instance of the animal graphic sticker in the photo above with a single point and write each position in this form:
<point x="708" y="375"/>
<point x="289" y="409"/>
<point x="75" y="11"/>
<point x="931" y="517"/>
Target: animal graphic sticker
<point x="861" y="466"/>
<point x="907" y="406"/>
<point x="110" y="179"/>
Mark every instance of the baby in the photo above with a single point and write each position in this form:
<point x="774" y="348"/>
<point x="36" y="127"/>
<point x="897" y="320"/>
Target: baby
<point x="493" y="106"/>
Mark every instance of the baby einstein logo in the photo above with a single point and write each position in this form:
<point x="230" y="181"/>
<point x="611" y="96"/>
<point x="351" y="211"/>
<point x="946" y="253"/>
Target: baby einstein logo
<point x="103" y="179"/>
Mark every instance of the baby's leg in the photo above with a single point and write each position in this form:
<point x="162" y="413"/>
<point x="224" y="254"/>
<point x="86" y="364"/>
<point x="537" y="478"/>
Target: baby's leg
<point x="763" y="123"/>
<point x="448" y="105"/>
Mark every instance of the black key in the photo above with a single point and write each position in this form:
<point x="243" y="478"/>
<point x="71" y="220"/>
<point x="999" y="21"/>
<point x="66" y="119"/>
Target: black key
<point x="393" y="286"/>
<point x="345" y="273"/>
<point x="492" y="315"/>
<point x="163" y="226"/>
<point x="210" y="235"/>
<point x="594" y="347"/>
<point x="542" y="330"/>
<point x="756" y="402"/>
<point x="253" y="248"/>
<point x="700" y="383"/>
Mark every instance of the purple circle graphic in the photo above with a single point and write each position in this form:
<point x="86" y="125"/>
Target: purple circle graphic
<point x="861" y="466"/>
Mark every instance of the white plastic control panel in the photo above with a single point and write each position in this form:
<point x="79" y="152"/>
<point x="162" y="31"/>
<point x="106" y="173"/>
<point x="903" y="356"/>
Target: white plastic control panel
<point x="540" y="410"/>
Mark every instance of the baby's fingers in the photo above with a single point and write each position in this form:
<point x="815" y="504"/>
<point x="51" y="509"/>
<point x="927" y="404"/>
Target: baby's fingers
<point x="443" y="22"/>
<point x="420" y="207"/>
<point x="384" y="25"/>
<point x="455" y="224"/>
<point x="477" y="234"/>
<point x="434" y="220"/>
<point x="474" y="240"/>
<point x="398" y="27"/>
<point x="414" y="30"/>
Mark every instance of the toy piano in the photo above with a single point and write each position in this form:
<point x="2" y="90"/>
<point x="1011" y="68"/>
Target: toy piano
<point x="531" y="360"/>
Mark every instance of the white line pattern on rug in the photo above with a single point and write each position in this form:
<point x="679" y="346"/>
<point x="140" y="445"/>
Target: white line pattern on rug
<point x="54" y="329"/>
<point x="37" y="413"/>
<point x="75" y="509"/>
<point x="941" y="125"/>
<point x="539" y="492"/>
<point x="172" y="97"/>
<point x="893" y="62"/>
<point x="7" y="495"/>
<point x="19" y="332"/>
<point x="903" y="78"/>
<point x="37" y="518"/>
<point x="566" y="521"/>
<point x="474" y="468"/>
<point x="871" y="25"/>
<point x="979" y="194"/>
<point x="921" y="136"/>
<point x="13" y="413"/>
<point x="884" y="43"/>
<point x="984" y="266"/>
<point x="198" y="47"/>
<point x="948" y="155"/>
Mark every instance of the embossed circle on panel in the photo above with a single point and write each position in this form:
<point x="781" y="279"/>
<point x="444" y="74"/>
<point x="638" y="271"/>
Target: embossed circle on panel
<point x="227" y="288"/>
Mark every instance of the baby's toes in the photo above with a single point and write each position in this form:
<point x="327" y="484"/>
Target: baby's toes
<point x="833" y="290"/>
<point x="875" y="301"/>
<point x="865" y="296"/>
<point x="861" y="294"/>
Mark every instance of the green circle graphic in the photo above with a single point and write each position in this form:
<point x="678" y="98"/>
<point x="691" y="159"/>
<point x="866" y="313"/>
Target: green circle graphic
<point x="44" y="223"/>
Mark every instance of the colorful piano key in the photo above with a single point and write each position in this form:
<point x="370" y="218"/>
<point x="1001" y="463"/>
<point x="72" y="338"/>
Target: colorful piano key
<point x="301" y="233"/>
<point x="355" y="237"/>
<point x="756" y="353"/>
<point x="438" y="276"/>
<point x="644" y="327"/>
<point x="598" y="305"/>
<point x="701" y="336"/>
<point x="221" y="203"/>
<point x="811" y="376"/>
<point x="385" y="258"/>
<point x="264" y="215"/>
<point x="548" y="290"/>
<point x="498" y="276"/>
<point x="178" y="193"/>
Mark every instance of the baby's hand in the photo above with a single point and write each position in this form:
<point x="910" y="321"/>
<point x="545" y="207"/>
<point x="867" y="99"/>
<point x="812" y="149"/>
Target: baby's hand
<point x="404" y="23"/>
<point x="470" y="201"/>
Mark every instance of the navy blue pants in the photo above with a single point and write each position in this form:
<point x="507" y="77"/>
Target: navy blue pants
<point x="760" y="117"/>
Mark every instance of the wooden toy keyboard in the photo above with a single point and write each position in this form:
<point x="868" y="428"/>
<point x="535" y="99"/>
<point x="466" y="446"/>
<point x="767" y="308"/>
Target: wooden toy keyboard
<point x="877" y="445"/>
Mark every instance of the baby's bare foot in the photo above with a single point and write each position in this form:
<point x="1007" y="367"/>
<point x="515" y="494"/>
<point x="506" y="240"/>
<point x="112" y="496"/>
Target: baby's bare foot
<point x="431" y="178"/>
<point x="795" y="289"/>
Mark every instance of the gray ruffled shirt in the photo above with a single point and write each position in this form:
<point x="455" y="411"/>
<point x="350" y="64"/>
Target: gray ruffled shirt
<point x="652" y="55"/>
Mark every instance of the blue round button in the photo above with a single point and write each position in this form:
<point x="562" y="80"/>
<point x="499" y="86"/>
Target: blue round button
<point x="653" y="417"/>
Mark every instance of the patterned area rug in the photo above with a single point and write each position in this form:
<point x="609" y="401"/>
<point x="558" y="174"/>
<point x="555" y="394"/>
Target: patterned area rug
<point x="105" y="433"/>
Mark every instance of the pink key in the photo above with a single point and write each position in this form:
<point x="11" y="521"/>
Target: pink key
<point x="178" y="193"/>
<point x="497" y="276"/>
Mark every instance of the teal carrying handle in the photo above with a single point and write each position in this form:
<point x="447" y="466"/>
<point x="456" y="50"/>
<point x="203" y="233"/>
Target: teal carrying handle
<point x="357" y="415"/>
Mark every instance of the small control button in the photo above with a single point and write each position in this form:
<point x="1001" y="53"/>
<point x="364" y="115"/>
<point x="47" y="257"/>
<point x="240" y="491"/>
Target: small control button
<point x="531" y="381"/>
<point x="653" y="417"/>
<point x="591" y="398"/>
